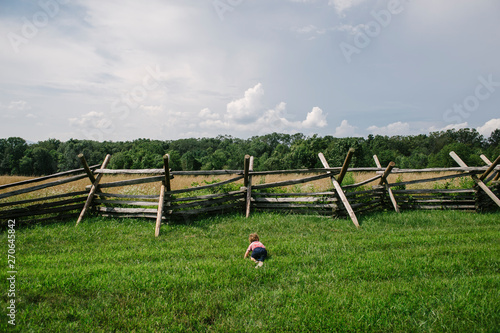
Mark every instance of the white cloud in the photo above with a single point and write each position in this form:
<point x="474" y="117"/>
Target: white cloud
<point x="398" y="128"/>
<point x="94" y="125"/>
<point x="350" y="29"/>
<point x="484" y="130"/>
<point x="489" y="127"/>
<point x="18" y="105"/>
<point x="89" y="119"/>
<point x="152" y="110"/>
<point x="310" y="32"/>
<point x="306" y="29"/>
<point x="315" y="118"/>
<point x="449" y="127"/>
<point x="343" y="5"/>
<point x="208" y="114"/>
<point x="275" y="119"/>
<point x="246" y="108"/>
<point x="217" y="123"/>
<point x="248" y="114"/>
<point x="345" y="129"/>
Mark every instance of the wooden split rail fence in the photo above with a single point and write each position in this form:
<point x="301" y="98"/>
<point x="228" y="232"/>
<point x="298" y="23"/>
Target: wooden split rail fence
<point x="239" y="193"/>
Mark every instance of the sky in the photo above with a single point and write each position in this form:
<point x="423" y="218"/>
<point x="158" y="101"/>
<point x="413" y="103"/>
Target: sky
<point x="120" y="70"/>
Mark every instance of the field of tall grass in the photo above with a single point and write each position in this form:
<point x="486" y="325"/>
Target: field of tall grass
<point x="409" y="272"/>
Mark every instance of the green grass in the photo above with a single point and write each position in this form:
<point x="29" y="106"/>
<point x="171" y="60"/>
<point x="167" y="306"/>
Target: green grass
<point x="413" y="272"/>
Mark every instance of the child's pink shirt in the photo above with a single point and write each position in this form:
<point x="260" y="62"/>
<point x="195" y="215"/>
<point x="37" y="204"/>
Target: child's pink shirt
<point x="254" y="245"/>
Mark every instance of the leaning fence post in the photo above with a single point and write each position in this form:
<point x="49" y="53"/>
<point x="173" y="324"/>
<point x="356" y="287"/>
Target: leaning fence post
<point x="343" y="171"/>
<point x="383" y="181"/>
<point x="386" y="173"/>
<point x="340" y="192"/>
<point x="377" y="162"/>
<point x="476" y="179"/>
<point x="165" y="186"/>
<point x="159" y="214"/>
<point x="93" y="189"/>
<point x="86" y="168"/>
<point x="495" y="174"/>
<point x="490" y="169"/>
<point x="248" y="181"/>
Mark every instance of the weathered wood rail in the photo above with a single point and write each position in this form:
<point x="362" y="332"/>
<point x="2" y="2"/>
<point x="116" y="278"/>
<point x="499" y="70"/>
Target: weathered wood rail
<point x="43" y="207"/>
<point x="240" y="193"/>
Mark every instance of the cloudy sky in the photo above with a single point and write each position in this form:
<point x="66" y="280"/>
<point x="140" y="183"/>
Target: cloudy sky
<point x="165" y="69"/>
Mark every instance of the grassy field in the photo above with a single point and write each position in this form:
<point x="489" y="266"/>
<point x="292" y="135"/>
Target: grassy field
<point x="412" y="272"/>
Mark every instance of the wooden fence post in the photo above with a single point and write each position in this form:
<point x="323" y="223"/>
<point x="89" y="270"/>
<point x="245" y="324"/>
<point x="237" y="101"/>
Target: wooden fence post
<point x="345" y="166"/>
<point x="476" y="179"/>
<point x="386" y="173"/>
<point x="166" y="166"/>
<point x="86" y="168"/>
<point x="165" y="186"/>
<point x="377" y="162"/>
<point x="492" y="178"/>
<point x="248" y="185"/>
<point x="93" y="190"/>
<point x="340" y="192"/>
<point x="496" y="174"/>
<point x="246" y="169"/>
<point x="383" y="181"/>
<point x="159" y="214"/>
<point x="491" y="167"/>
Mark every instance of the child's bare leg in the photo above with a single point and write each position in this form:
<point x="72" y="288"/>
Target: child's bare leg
<point x="253" y="259"/>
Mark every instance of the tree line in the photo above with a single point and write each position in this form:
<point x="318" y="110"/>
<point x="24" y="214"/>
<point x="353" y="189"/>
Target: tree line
<point x="274" y="151"/>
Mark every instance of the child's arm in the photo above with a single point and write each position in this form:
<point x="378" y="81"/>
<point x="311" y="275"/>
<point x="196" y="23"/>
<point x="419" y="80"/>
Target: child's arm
<point x="246" y="254"/>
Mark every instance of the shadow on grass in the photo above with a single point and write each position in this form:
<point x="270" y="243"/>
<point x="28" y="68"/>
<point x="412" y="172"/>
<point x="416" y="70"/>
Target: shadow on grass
<point x="28" y="224"/>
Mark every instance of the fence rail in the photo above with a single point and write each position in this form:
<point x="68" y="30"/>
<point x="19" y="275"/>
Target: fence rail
<point x="239" y="194"/>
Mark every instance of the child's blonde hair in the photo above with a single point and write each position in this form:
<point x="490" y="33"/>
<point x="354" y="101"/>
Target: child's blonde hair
<point x="253" y="238"/>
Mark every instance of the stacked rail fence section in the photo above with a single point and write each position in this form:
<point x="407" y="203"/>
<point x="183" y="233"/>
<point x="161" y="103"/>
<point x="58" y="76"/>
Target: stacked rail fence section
<point x="38" y="204"/>
<point x="37" y="200"/>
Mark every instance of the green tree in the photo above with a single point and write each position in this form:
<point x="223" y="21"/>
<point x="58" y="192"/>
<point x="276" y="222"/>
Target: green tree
<point x="175" y="160"/>
<point x="467" y="136"/>
<point x="190" y="162"/>
<point x="26" y="166"/>
<point x="494" y="139"/>
<point x="13" y="151"/>
<point x="493" y="150"/>
<point x="44" y="162"/>
<point x="416" y="160"/>
<point x="49" y="145"/>
<point x="121" y="160"/>
<point x="218" y="160"/>
<point x="338" y="149"/>
<point x="443" y="159"/>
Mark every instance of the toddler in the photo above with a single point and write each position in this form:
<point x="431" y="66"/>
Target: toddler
<point x="259" y="252"/>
